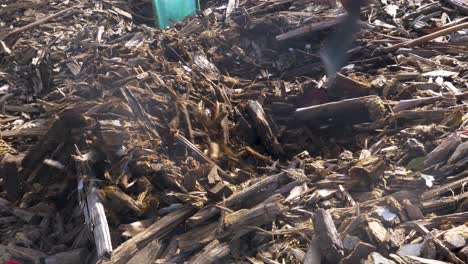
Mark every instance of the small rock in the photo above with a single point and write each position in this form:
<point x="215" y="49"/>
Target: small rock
<point x="350" y="242"/>
<point x="414" y="213"/>
<point x="410" y="250"/>
<point x="361" y="251"/>
<point x="456" y="237"/>
<point x="429" y="250"/>
<point x="387" y="216"/>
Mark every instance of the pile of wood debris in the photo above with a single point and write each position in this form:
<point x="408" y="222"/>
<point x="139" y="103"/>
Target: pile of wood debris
<point x="219" y="140"/>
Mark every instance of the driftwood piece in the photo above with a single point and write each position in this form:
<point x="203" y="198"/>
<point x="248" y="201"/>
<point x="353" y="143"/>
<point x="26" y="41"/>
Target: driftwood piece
<point x="211" y="253"/>
<point x="349" y="112"/>
<point x="75" y="256"/>
<point x="440" y="245"/>
<point x="311" y="28"/>
<point x="263" y="128"/>
<point x="449" y="203"/>
<point x="427" y="116"/>
<point x="129" y="248"/>
<point x="429" y="37"/>
<point x="443" y="151"/>
<point x="237" y="198"/>
<point x="451" y="186"/>
<point x="239" y="223"/>
<point x="412" y="103"/>
<point x="435" y="220"/>
<point x="330" y="243"/>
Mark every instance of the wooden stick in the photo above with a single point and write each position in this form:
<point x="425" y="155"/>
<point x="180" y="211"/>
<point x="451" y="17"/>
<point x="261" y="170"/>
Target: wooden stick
<point x="429" y="37"/>
<point x="39" y="22"/>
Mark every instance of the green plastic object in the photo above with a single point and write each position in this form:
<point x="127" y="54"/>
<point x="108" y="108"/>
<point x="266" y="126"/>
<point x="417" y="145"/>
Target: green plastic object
<point x="167" y="12"/>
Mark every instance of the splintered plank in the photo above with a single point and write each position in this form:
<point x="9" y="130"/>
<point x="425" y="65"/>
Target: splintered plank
<point x="263" y="213"/>
<point x="148" y="254"/>
<point x="211" y="253"/>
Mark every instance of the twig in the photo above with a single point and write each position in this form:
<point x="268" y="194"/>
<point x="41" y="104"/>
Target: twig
<point x="429" y="37"/>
